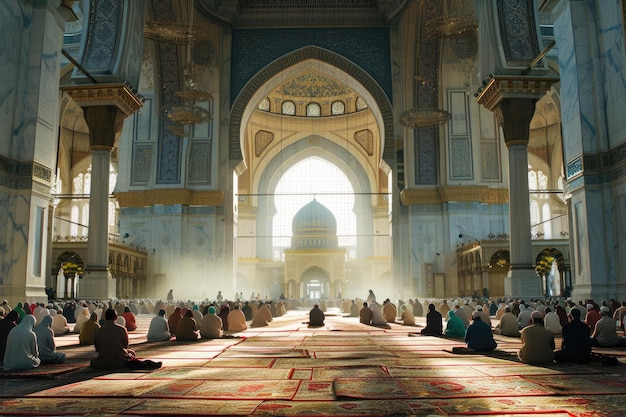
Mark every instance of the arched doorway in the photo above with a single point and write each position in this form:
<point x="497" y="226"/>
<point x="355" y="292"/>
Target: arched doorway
<point x="550" y="265"/>
<point x="315" y="284"/>
<point x="70" y="269"/>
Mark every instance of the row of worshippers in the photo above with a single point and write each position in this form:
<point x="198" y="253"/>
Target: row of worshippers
<point x="190" y="325"/>
<point x="375" y="315"/>
<point x="27" y="344"/>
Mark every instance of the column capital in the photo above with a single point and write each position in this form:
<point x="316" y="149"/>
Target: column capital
<point x="512" y="99"/>
<point x="118" y="95"/>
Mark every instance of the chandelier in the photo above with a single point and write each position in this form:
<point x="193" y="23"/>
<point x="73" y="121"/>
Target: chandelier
<point x="456" y="20"/>
<point x="182" y="111"/>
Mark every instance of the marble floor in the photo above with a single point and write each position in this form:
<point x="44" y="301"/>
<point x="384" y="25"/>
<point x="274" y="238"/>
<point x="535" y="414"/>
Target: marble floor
<point x="342" y="369"/>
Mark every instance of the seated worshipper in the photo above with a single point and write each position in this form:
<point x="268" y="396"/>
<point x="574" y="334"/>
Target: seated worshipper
<point x="389" y="311"/>
<point x="6" y="324"/>
<point x="508" y="325"/>
<point x="619" y="314"/>
<point x="378" y="319"/>
<point x="39" y="312"/>
<point x="211" y="325"/>
<point x="262" y="317"/>
<point x="455" y="327"/>
<point x="45" y="342"/>
<point x="483" y="315"/>
<point x="418" y="309"/>
<point x="21" y="351"/>
<point x="365" y="314"/>
<point x="82" y="318"/>
<point x="131" y="320"/>
<point x="537" y="342"/>
<point x="576" y="345"/>
<point x="605" y="332"/>
<point x="120" y="320"/>
<point x="354" y="309"/>
<point x="434" y="322"/>
<point x="159" y="330"/>
<point x="552" y="321"/>
<point x="316" y="317"/>
<point x="224" y="312"/>
<point x="111" y="343"/>
<point x="523" y="318"/>
<point x="59" y="322"/>
<point x="174" y="319"/>
<point x="187" y="328"/>
<point x="236" y="320"/>
<point x="593" y="316"/>
<point x="407" y="317"/>
<point x="479" y="336"/>
<point x="247" y="311"/>
<point x="20" y="310"/>
<point x="88" y="331"/>
<point x="462" y="314"/>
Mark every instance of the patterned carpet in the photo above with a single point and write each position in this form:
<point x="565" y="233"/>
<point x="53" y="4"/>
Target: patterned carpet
<point x="342" y="369"/>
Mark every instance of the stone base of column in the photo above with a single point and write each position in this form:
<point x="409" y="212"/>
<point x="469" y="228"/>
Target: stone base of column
<point x="522" y="284"/>
<point x="96" y="285"/>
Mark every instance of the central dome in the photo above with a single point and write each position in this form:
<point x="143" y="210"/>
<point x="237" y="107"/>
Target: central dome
<point x="314" y="227"/>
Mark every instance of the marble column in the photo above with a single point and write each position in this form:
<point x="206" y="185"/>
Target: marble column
<point x="513" y="99"/>
<point x="105" y="107"/>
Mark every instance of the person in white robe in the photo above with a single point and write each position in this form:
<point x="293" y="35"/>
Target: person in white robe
<point x="45" y="342"/>
<point x="81" y="319"/>
<point x="59" y="323"/>
<point x="159" y="330"/>
<point x="21" y="351"/>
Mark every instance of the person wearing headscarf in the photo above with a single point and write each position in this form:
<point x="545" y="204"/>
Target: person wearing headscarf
<point x="131" y="320"/>
<point x="211" y="325"/>
<point x="454" y="327"/>
<point x="484" y="317"/>
<point x="159" y="330"/>
<point x="88" y="330"/>
<point x="45" y="342"/>
<point x="174" y="319"/>
<point x="186" y="331"/>
<point x="434" y="322"/>
<point x="21" y="349"/>
<point x="478" y="335"/>
<point x="20" y="311"/>
<point x="121" y="320"/>
<point x="523" y="318"/>
<point x="197" y="315"/>
<point x="39" y="313"/>
<point x="537" y="342"/>
<point x="576" y="345"/>
<point x="551" y="321"/>
<point x="6" y="325"/>
<point x="59" y="322"/>
<point x="236" y="320"/>
<point x="462" y="314"/>
<point x="81" y="319"/>
<point x="406" y="315"/>
<point x="560" y="311"/>
<point x="377" y="315"/>
<point x="262" y="317"/>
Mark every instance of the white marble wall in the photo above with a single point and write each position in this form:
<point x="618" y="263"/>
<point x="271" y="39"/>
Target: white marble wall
<point x="31" y="42"/>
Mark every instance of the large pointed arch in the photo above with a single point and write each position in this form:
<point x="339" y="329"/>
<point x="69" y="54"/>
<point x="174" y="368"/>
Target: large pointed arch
<point x="241" y="110"/>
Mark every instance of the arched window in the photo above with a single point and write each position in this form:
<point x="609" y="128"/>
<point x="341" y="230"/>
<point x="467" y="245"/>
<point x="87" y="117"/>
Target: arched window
<point x="360" y="104"/>
<point x="337" y="108"/>
<point x="309" y="176"/>
<point x="313" y="110"/>
<point x="289" y="108"/>
<point x="264" y="105"/>
<point x="85" y="220"/>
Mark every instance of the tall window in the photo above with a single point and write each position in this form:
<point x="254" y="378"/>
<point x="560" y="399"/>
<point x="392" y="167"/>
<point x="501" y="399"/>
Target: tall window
<point x="540" y="213"/>
<point x="313" y="110"/>
<point x="314" y="178"/>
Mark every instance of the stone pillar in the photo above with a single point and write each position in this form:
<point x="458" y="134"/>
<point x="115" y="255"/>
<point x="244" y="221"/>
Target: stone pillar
<point x="513" y="99"/>
<point x="105" y="107"/>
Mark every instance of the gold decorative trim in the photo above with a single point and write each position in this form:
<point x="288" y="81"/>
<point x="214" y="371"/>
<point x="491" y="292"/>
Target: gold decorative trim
<point x="461" y="194"/>
<point x="118" y="95"/>
<point x="169" y="196"/>
<point x="501" y="87"/>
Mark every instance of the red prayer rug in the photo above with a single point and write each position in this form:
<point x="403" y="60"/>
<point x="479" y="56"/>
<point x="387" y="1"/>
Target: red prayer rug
<point x="369" y="388"/>
<point x="354" y="408"/>
<point x="245" y="390"/>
